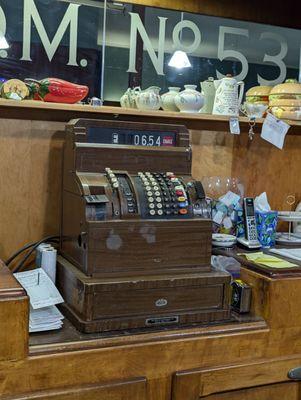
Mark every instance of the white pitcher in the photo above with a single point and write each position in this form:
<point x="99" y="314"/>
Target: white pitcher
<point x="128" y="99"/>
<point x="228" y="98"/>
<point x="149" y="99"/>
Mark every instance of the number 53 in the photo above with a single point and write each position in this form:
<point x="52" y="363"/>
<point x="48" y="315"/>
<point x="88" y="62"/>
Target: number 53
<point x="276" y="59"/>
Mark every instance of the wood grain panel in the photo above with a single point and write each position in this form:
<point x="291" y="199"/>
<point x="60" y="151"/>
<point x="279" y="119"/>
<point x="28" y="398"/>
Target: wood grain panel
<point x="281" y="391"/>
<point x="263" y="167"/>
<point x="257" y="11"/>
<point x="211" y="154"/>
<point x="151" y="359"/>
<point x="133" y="389"/>
<point x="30" y="182"/>
<point x="13" y="317"/>
<point x="199" y="383"/>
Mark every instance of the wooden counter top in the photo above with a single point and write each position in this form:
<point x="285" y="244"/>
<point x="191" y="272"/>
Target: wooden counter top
<point x="38" y="110"/>
<point x="70" y="339"/>
<point x="9" y="286"/>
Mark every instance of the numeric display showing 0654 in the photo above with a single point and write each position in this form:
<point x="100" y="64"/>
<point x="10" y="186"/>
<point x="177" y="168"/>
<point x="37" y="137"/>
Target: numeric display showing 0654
<point x="147" y="140"/>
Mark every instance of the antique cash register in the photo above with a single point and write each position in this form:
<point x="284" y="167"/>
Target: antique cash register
<point x="135" y="230"/>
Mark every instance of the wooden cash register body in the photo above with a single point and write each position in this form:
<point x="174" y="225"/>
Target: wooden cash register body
<point x="128" y="270"/>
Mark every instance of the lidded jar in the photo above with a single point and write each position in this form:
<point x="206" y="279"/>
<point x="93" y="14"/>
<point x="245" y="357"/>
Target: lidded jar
<point x="168" y="99"/>
<point x="189" y="100"/>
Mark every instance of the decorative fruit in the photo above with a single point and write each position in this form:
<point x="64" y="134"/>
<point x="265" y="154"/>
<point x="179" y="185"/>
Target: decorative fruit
<point x="59" y="91"/>
<point x="14" y="89"/>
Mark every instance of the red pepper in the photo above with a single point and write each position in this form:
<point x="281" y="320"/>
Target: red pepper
<point x="59" y="91"/>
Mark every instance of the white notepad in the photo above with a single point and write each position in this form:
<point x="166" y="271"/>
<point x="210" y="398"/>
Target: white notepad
<point x="43" y="295"/>
<point x="294" y="253"/>
<point x="40" y="288"/>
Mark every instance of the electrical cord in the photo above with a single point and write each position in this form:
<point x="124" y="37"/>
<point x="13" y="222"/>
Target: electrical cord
<point x="27" y="246"/>
<point x="12" y="257"/>
<point x="28" y="254"/>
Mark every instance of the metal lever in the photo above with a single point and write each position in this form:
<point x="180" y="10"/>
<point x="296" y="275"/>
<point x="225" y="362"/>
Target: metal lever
<point x="295" y="374"/>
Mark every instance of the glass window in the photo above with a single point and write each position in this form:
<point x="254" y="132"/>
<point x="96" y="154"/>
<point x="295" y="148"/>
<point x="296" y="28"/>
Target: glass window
<point x="66" y="39"/>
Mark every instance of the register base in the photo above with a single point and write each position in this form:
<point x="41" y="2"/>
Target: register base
<point x="109" y="304"/>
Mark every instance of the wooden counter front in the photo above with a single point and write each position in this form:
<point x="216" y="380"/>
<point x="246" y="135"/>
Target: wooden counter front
<point x="13" y="317"/>
<point x="247" y="356"/>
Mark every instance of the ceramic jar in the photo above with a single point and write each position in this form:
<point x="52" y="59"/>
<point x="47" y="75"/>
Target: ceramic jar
<point x="168" y="99"/>
<point x="189" y="100"/>
<point x="128" y="99"/>
<point x="149" y="99"/>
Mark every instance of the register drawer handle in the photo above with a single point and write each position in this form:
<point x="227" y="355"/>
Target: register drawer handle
<point x="295" y="374"/>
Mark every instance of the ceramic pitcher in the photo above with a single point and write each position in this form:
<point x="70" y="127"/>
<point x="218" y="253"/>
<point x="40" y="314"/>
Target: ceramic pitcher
<point x="228" y="96"/>
<point x="208" y="90"/>
<point x="149" y="99"/>
<point x="128" y="99"/>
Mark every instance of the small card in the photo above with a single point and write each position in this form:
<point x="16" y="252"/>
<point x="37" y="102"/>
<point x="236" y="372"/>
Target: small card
<point x="230" y="198"/>
<point x="40" y="288"/>
<point x="227" y="223"/>
<point x="218" y="217"/>
<point x="274" y="130"/>
<point x="234" y="125"/>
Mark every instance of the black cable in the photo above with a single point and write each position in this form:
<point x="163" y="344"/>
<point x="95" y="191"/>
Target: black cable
<point x="13" y="256"/>
<point x="20" y="264"/>
<point x="10" y="259"/>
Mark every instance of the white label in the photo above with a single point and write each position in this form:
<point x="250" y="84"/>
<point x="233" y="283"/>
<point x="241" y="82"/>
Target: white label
<point x="218" y="217"/>
<point x="234" y="126"/>
<point x="161" y="303"/>
<point x="274" y="130"/>
<point x="229" y="198"/>
<point x="227" y="223"/>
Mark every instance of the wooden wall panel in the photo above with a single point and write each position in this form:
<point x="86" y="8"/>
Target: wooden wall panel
<point x="30" y="176"/>
<point x="211" y="154"/>
<point x="30" y="181"/>
<point x="263" y="167"/>
<point x="283" y="14"/>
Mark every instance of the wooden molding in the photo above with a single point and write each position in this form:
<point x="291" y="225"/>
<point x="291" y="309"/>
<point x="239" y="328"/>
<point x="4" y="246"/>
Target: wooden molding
<point x="13" y="317"/>
<point x="38" y="110"/>
<point x="282" y="14"/>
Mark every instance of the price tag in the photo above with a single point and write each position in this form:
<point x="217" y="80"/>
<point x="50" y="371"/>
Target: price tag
<point x="227" y="223"/>
<point x="274" y="130"/>
<point x="234" y="126"/>
<point x="218" y="217"/>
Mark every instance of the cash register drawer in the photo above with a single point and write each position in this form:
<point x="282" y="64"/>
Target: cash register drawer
<point x="96" y="305"/>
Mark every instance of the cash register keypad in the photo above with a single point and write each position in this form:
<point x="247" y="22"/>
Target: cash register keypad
<point x="159" y="194"/>
<point x="166" y="194"/>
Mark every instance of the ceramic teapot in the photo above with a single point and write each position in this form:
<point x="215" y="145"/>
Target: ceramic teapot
<point x="189" y="100"/>
<point x="228" y="98"/>
<point x="149" y="99"/>
<point x="208" y="90"/>
<point x="128" y="99"/>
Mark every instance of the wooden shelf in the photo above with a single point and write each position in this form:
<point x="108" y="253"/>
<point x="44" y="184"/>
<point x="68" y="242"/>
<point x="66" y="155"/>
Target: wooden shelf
<point x="38" y="110"/>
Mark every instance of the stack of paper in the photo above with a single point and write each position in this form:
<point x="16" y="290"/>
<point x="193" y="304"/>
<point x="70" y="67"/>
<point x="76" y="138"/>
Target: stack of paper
<point x="45" y="319"/>
<point x="268" y="260"/>
<point x="294" y="253"/>
<point x="43" y="295"/>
